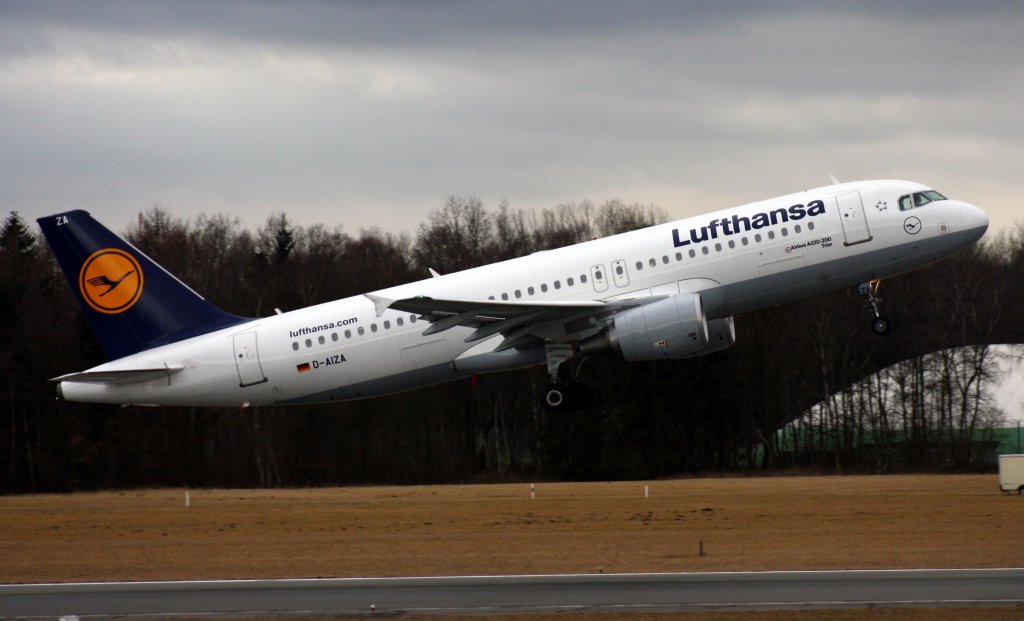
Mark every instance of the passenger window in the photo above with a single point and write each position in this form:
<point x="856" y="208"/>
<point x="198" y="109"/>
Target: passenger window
<point x="544" y="287"/>
<point x="693" y="253"/>
<point x="529" y="290"/>
<point x="664" y="259"/>
<point x="558" y="284"/>
<point x="810" y="226"/>
<point x="348" y="334"/>
<point x="618" y="270"/>
<point x="519" y="293"/>
<point x="334" y="336"/>
<point x="704" y="250"/>
<point x="321" y="340"/>
<point x="718" y="247"/>
<point x="387" y="325"/>
<point x="757" y="237"/>
<point x="785" y="231"/>
<point x="583" y="278"/>
<point x="639" y="265"/>
<point x="732" y="243"/>
<point x="399" y="321"/>
<point x="771" y="234"/>
<point x="679" y="256"/>
<point x="653" y="262"/>
<point x="373" y="327"/>
<point x="569" y="281"/>
<point x="504" y="296"/>
<point x="360" y="331"/>
<point x="490" y="297"/>
<point x="744" y="241"/>
<point x="309" y="342"/>
<point x="412" y="318"/>
<point x="796" y="229"/>
<point x="597" y="275"/>
<point x="295" y="346"/>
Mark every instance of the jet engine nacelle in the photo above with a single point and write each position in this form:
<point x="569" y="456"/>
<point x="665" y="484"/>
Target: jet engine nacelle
<point x="669" y="328"/>
<point x="721" y="335"/>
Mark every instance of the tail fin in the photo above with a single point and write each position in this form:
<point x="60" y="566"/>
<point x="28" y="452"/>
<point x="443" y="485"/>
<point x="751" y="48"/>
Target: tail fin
<point x="131" y="303"/>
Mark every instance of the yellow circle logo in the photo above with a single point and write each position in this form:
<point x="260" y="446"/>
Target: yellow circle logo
<point x="110" y="281"/>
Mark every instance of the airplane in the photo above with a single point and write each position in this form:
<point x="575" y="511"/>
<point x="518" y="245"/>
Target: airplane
<point x="669" y="291"/>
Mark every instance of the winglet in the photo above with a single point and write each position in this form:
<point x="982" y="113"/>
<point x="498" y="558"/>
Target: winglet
<point x="834" y="180"/>
<point x="379" y="304"/>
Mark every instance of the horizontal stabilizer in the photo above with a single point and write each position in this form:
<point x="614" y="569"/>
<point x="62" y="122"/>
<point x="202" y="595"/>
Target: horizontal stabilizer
<point x="129" y="376"/>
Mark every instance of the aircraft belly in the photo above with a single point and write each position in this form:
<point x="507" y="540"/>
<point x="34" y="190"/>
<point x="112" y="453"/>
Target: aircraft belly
<point x="849" y="271"/>
<point x="381" y="386"/>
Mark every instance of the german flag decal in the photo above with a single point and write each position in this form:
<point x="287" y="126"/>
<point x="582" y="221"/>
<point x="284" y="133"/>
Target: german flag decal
<point x="302" y="368"/>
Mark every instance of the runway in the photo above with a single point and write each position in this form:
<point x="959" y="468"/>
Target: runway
<point x="507" y="594"/>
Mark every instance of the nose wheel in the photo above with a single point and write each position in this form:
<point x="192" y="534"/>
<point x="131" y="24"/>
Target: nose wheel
<point x="880" y="325"/>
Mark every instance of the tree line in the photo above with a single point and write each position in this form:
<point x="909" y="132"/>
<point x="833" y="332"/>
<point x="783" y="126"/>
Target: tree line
<point x="812" y="368"/>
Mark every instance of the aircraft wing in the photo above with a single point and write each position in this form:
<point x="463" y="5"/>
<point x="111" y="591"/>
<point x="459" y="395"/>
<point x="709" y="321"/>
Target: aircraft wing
<point x="519" y="322"/>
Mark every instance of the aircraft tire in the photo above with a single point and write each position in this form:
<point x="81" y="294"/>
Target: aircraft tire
<point x="555" y="398"/>
<point x="881" y="326"/>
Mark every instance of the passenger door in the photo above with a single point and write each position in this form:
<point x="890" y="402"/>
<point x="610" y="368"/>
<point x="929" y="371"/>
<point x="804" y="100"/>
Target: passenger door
<point x="851" y="214"/>
<point x="247" y="360"/>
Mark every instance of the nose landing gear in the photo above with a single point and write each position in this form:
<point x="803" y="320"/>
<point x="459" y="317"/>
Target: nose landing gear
<point x="879" y="325"/>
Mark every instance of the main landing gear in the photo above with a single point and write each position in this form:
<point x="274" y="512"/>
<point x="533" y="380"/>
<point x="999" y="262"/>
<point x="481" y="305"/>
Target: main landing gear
<point x="879" y="325"/>
<point x="559" y="396"/>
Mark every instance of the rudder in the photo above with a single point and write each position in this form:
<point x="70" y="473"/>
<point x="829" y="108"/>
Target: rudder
<point x="131" y="302"/>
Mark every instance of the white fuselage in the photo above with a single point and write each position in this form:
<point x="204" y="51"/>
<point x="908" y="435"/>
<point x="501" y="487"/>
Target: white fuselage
<point x="345" y="350"/>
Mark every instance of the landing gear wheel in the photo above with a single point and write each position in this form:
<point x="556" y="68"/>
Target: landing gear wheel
<point x="881" y="326"/>
<point x="555" y="398"/>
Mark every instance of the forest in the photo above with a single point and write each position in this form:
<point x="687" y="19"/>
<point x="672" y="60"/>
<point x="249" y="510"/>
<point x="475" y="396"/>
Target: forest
<point x="847" y="400"/>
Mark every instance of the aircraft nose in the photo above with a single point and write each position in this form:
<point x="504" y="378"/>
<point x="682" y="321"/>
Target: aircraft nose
<point x="974" y="219"/>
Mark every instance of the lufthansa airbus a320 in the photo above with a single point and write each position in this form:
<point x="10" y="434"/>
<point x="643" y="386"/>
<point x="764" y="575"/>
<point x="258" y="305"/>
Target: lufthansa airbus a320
<point x="668" y="291"/>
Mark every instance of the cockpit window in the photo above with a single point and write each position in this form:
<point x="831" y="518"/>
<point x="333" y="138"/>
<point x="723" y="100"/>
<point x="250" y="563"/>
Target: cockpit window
<point x="919" y="199"/>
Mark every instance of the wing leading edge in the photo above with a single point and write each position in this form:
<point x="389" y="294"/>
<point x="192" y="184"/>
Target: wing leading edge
<point x="520" y="323"/>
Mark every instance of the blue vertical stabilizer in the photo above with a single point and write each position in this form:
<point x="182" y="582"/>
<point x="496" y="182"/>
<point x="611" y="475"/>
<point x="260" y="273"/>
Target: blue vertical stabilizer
<point x="131" y="303"/>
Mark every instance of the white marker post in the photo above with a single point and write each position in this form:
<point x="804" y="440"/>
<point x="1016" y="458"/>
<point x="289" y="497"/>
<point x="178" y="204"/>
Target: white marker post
<point x="188" y="499"/>
<point x="533" y="491"/>
<point x="647" y="492"/>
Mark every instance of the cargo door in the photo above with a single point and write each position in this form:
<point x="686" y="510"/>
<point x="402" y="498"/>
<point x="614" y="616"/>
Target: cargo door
<point x="851" y="214"/>
<point x="247" y="360"/>
<point x="785" y="280"/>
<point x="426" y="362"/>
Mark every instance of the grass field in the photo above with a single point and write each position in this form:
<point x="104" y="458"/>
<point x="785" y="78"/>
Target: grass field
<point x="744" y="524"/>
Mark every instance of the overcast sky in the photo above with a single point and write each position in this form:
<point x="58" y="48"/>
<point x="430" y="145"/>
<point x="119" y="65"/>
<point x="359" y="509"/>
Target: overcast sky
<point x="371" y="113"/>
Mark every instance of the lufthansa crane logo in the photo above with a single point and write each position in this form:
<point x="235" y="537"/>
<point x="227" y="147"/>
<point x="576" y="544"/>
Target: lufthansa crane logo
<point x="110" y="281"/>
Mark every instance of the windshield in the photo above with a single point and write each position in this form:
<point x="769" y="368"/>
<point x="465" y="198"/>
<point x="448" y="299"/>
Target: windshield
<point x="919" y="199"/>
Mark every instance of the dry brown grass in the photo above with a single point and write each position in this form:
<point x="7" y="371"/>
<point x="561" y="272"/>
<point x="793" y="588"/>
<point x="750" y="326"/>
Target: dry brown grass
<point x="745" y="524"/>
<point x="848" y="614"/>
